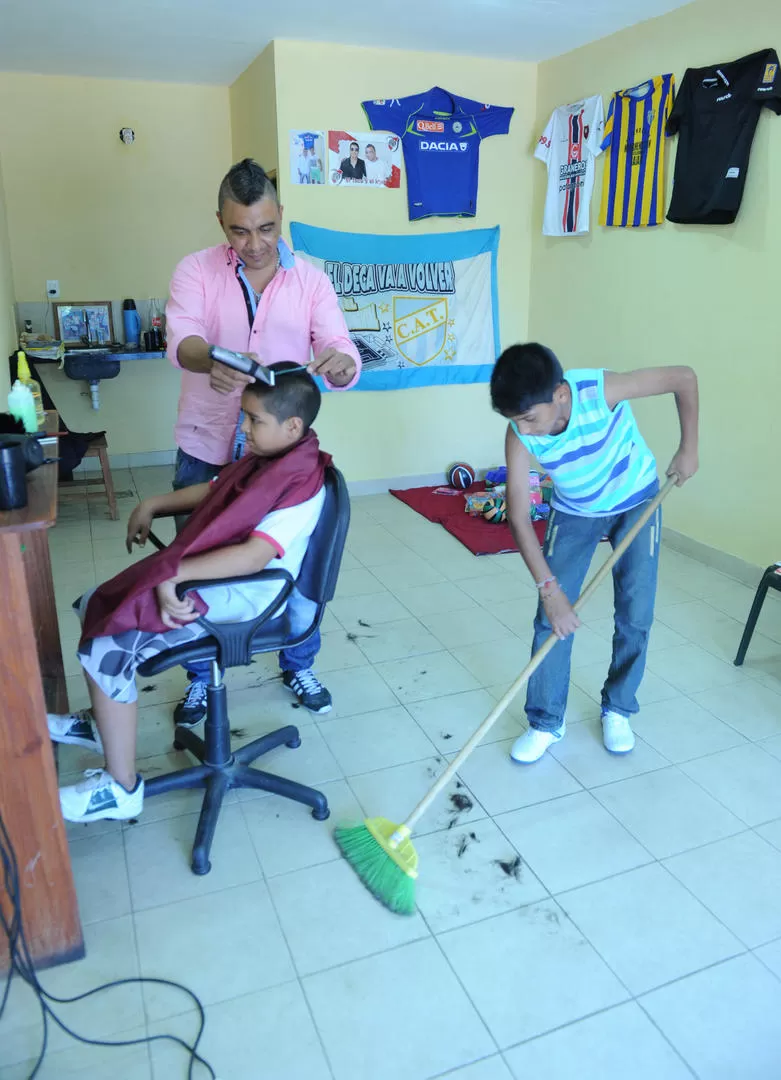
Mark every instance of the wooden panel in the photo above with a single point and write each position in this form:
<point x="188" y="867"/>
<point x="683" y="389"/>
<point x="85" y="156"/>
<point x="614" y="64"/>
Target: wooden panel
<point x="40" y="589"/>
<point x="29" y="800"/>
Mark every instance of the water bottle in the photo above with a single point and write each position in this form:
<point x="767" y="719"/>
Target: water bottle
<point x="132" y="321"/>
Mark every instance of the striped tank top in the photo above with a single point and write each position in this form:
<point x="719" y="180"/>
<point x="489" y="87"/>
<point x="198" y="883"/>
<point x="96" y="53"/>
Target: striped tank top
<point x="600" y="463"/>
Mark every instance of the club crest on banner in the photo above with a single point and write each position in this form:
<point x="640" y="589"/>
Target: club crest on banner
<point x="420" y="329"/>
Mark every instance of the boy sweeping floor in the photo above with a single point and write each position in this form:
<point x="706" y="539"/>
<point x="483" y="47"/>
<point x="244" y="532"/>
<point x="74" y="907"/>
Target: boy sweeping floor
<point x="580" y="428"/>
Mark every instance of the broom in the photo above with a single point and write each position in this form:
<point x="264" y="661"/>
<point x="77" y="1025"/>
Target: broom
<point x="381" y="852"/>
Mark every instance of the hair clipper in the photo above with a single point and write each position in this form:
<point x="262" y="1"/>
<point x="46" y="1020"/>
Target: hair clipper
<point x="245" y="364"/>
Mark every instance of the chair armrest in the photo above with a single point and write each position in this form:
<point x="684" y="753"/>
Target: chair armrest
<point x="234" y="639"/>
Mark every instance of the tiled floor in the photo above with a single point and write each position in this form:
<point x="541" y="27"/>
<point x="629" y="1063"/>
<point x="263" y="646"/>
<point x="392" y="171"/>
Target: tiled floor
<point x="639" y="936"/>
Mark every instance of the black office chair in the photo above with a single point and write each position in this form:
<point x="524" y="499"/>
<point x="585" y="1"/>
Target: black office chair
<point x="771" y="579"/>
<point x="232" y="644"/>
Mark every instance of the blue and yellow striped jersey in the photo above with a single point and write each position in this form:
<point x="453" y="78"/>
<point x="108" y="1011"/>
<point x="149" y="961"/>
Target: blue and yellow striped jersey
<point x="633" y="182"/>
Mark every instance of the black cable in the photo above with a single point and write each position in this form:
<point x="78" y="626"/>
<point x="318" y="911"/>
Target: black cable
<point x="21" y="964"/>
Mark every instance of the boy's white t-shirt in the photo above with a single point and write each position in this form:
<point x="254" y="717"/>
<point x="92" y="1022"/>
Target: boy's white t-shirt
<point x="288" y="530"/>
<point x="569" y="147"/>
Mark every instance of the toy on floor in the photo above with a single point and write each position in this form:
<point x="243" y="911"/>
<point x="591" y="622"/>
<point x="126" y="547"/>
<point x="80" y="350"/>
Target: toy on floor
<point x="496" y="510"/>
<point x="461" y="476"/>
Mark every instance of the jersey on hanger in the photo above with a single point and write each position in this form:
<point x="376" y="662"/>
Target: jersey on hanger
<point x="715" y="115"/>
<point x="633" y="182"/>
<point x="569" y="146"/>
<point x="440" y="135"/>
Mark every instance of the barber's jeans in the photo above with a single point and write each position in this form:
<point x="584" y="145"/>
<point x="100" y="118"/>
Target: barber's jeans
<point x="570" y="543"/>
<point x="300" y="610"/>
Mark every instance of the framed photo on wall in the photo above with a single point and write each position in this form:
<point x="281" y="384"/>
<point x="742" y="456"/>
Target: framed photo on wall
<point x="88" y="323"/>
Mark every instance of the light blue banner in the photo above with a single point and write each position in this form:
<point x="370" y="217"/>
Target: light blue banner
<point x="422" y="310"/>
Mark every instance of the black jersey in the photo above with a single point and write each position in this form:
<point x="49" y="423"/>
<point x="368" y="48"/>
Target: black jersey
<point x="716" y="113"/>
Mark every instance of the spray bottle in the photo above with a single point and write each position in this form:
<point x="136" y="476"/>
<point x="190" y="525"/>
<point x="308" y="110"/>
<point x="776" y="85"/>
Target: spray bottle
<point x="25" y="378"/>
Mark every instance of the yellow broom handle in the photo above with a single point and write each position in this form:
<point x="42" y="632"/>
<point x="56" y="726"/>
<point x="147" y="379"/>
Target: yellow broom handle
<point x="533" y="664"/>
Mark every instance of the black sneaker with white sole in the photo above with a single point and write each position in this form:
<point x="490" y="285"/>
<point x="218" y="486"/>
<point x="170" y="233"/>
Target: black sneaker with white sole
<point x="192" y="710"/>
<point x="308" y="689"/>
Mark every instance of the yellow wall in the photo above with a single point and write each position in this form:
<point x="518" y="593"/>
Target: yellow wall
<point x="253" y="108"/>
<point x="7" y="319"/>
<point x="702" y="295"/>
<point x="109" y="220"/>
<point x="412" y="432"/>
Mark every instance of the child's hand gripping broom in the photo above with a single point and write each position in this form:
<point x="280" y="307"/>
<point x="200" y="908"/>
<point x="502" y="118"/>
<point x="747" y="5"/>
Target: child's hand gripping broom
<point x="380" y="852"/>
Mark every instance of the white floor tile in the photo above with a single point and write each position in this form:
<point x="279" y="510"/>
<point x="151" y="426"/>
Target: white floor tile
<point x="692" y="670"/>
<point x="100" y="874"/>
<point x="723" y="1021"/>
<point x="377" y="740"/>
<point x="434" y="1025"/>
<point x="450" y="720"/>
<point x="492" y="1068"/>
<point x="770" y="955"/>
<point x="572" y="841"/>
<point x="396" y="641"/>
<point x="337" y="652"/>
<point x="668" y="812"/>
<point x="271" y="1029"/>
<point x="285" y="835"/>
<point x="217" y="957"/>
<point x="745" y="780"/>
<point x="158" y="858"/>
<point x="681" y="729"/>
<point x="361" y="614"/>
<point x="329" y="917"/>
<point x="591" y="679"/>
<point x="750" y="708"/>
<point x="356" y="583"/>
<point x="501" y="784"/>
<point x="614" y="1045"/>
<point x="739" y="880"/>
<point x="530" y="971"/>
<point x="408" y="572"/>
<point x="471" y="873"/>
<point x="435" y="599"/>
<point x="456" y="629"/>
<point x="356" y="690"/>
<point x="648" y="928"/>
<point x="582" y="752"/>
<point x="494" y="661"/>
<point x="771" y="832"/>
<point x="394" y="793"/>
<point x="425" y="677"/>
<point x="312" y="763"/>
<point x="90" y="1062"/>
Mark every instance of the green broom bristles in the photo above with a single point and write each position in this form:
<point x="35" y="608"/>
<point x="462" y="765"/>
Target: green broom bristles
<point x="377" y="869"/>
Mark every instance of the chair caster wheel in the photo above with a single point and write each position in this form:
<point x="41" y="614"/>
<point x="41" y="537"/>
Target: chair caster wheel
<point x="321" y="815"/>
<point x="201" y="868"/>
<point x="294" y="743"/>
<point x="178" y="745"/>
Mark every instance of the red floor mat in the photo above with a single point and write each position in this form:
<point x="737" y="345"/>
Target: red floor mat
<point x="475" y="533"/>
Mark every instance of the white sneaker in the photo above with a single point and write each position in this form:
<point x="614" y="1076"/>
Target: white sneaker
<point x="533" y="743"/>
<point x="75" y="729"/>
<point x="617" y="733"/>
<point x="100" y="796"/>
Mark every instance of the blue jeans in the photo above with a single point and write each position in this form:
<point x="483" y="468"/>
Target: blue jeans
<point x="300" y="609"/>
<point x="570" y="543"/>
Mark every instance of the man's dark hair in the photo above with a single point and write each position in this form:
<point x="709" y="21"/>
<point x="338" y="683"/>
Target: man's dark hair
<point x="246" y="183"/>
<point x="371" y="146"/>
<point x="524" y="376"/>
<point x="295" y="393"/>
<point x="357" y="147"/>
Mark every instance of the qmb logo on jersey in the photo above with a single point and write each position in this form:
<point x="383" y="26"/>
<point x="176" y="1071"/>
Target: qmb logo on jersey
<point x="443" y="145"/>
<point x="420" y="328"/>
<point x="432" y="126"/>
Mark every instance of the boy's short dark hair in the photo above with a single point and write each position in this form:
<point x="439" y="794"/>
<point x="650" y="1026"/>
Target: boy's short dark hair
<point x="295" y="393"/>
<point x="524" y="376"/>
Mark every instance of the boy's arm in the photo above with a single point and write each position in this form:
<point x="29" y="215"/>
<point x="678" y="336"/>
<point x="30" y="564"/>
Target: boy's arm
<point x="171" y="502"/>
<point x="650" y="382"/>
<point x="236" y="560"/>
<point x="562" y="618"/>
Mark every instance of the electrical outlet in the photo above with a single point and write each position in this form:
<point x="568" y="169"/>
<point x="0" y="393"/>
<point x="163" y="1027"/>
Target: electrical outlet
<point x="53" y="290"/>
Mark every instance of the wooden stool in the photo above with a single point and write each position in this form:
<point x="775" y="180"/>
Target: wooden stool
<point x="97" y="448"/>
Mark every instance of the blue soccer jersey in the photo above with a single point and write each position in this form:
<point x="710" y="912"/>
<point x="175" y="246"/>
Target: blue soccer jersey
<point x="309" y="138"/>
<point x="441" y="134"/>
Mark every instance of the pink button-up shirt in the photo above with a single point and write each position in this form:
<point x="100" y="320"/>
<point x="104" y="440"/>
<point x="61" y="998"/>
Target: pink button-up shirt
<point x="297" y="312"/>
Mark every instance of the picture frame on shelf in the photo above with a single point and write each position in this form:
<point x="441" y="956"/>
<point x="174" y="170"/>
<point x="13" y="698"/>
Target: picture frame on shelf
<point x="87" y="323"/>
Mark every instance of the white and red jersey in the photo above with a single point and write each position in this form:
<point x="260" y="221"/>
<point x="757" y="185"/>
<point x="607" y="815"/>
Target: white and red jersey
<point x="569" y="146"/>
